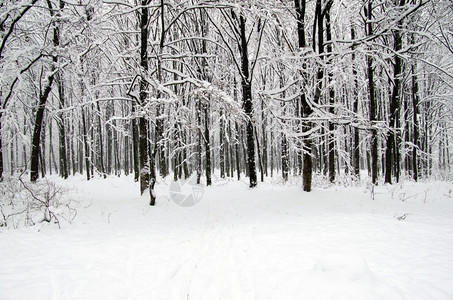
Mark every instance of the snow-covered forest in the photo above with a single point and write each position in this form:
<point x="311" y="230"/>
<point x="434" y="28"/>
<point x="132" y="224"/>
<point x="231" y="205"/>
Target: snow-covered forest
<point x="294" y="99"/>
<point x="261" y="88"/>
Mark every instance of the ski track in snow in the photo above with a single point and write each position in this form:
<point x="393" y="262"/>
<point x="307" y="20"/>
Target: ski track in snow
<point x="272" y="242"/>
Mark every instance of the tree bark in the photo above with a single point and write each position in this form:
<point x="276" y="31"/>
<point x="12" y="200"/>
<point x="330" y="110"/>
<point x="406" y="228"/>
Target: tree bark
<point x="391" y="155"/>
<point x="207" y="145"/>
<point x="44" y="94"/>
<point x="222" y="132"/>
<point x="330" y="136"/>
<point x="356" y="143"/>
<point x="415" y="125"/>
<point x="260" y="161"/>
<point x="87" y="149"/>
<point x="372" y="96"/>
<point x="247" y="99"/>
<point x="100" y="141"/>
<point x="144" y="164"/>
<point x="199" y="141"/>
<point x="238" y="156"/>
<point x="285" y="158"/>
<point x="62" y="129"/>
<point x="306" y="110"/>
<point x="135" y="145"/>
<point x="1" y="150"/>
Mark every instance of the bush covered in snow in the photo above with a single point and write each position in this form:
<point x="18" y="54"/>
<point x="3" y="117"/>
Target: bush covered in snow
<point x="26" y="204"/>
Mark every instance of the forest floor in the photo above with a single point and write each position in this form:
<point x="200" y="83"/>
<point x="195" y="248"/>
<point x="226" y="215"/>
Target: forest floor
<point x="271" y="242"/>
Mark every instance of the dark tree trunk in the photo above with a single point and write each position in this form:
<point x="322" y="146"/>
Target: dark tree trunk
<point x="116" y="151"/>
<point x="185" y="165"/>
<point x="238" y="155"/>
<point x="247" y="98"/>
<point x="109" y="138"/>
<point x="285" y="158"/>
<point x="271" y="159"/>
<point x="230" y="158"/>
<point x="260" y="161"/>
<point x="236" y="136"/>
<point x="152" y="180"/>
<point x="227" y="149"/>
<point x="42" y="162"/>
<point x="356" y="141"/>
<point x="135" y="145"/>
<point x="199" y="142"/>
<point x="207" y="145"/>
<point x="62" y="130"/>
<point x="93" y="160"/>
<point x="415" y="126"/>
<point x="42" y="152"/>
<point x="162" y="157"/>
<point x="126" y="155"/>
<point x="330" y="137"/>
<point x="1" y="150"/>
<point x="306" y="110"/>
<point x="320" y="25"/>
<point x="144" y="162"/>
<point x="144" y="155"/>
<point x="372" y="97"/>
<point x="80" y="146"/>
<point x="36" y="139"/>
<point x="71" y="148"/>
<point x="100" y="142"/>
<point x="319" y="28"/>
<point x="87" y="149"/>
<point x="50" y="149"/>
<point x="43" y="96"/>
<point x="222" y="146"/>
<point x="177" y="154"/>
<point x="264" y="125"/>
<point x="391" y="155"/>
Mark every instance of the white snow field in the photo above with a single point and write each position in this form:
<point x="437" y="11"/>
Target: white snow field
<point x="272" y="242"/>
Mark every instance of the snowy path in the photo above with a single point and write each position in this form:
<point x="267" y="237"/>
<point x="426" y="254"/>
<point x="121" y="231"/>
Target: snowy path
<point x="274" y="242"/>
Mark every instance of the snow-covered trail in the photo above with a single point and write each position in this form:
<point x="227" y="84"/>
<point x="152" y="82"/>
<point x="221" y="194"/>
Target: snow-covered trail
<point x="273" y="242"/>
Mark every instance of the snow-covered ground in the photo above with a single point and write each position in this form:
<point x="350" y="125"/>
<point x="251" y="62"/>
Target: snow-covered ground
<point x="272" y="242"/>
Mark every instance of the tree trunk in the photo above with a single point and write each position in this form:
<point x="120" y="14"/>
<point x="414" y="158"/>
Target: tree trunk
<point x="199" y="141"/>
<point x="207" y="145"/>
<point x="356" y="142"/>
<point x="177" y="154"/>
<point x="415" y="126"/>
<point x="247" y="98"/>
<point x="264" y="130"/>
<point x="36" y="139"/>
<point x="87" y="149"/>
<point x="135" y="145"/>
<point x="144" y="163"/>
<point x="50" y="148"/>
<point x="306" y="110"/>
<point x="391" y="156"/>
<point x="285" y="158"/>
<point x="62" y="130"/>
<point x="373" y="104"/>
<point x="222" y="132"/>
<point x="230" y="165"/>
<point x="330" y="137"/>
<point x="100" y="141"/>
<point x="1" y="150"/>
<point x="109" y="138"/>
<point x="260" y="161"/>
<point x="144" y="155"/>
<point x="43" y="96"/>
<point x="238" y="155"/>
